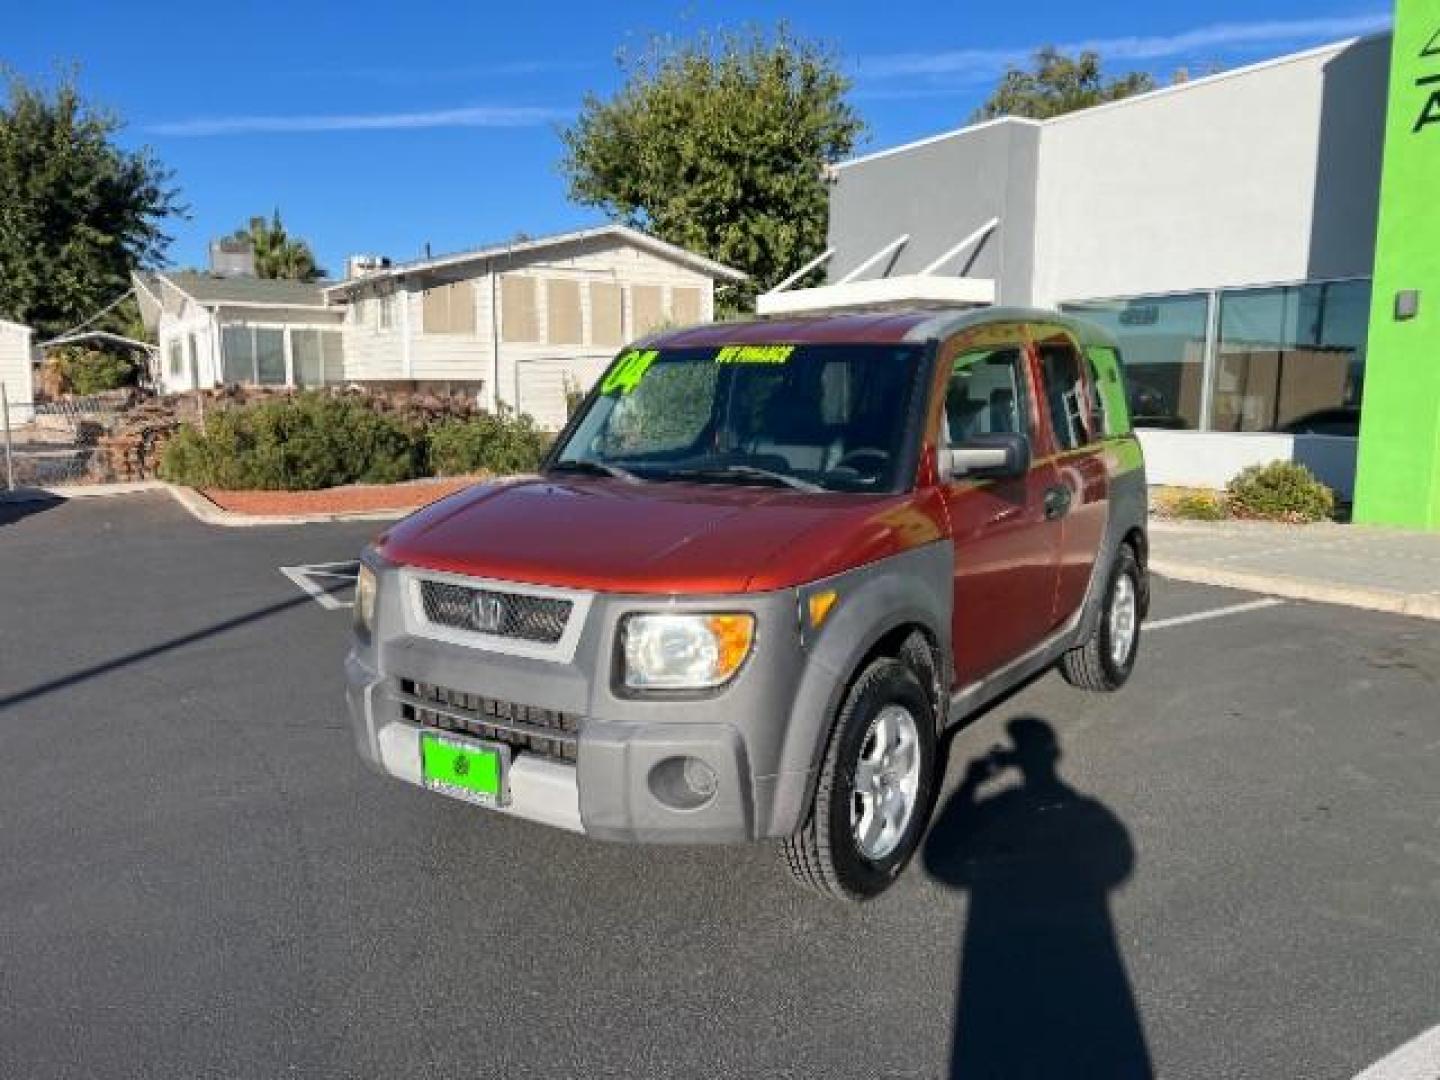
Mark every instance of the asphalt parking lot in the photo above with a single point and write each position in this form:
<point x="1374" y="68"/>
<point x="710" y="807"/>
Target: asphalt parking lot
<point x="1240" y="876"/>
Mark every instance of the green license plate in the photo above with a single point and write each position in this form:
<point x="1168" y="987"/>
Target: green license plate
<point x="469" y="770"/>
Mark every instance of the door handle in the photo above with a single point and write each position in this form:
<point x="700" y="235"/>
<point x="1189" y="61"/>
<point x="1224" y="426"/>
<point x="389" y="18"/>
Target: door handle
<point x="1057" y="502"/>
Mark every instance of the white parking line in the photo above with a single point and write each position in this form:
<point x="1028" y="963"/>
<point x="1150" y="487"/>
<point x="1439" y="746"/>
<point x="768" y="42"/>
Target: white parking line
<point x="304" y="576"/>
<point x="1419" y="1059"/>
<point x="1214" y="613"/>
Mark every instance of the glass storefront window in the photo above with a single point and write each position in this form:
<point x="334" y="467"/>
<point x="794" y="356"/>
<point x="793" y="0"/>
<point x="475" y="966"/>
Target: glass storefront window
<point x="1162" y="344"/>
<point x="1292" y="358"/>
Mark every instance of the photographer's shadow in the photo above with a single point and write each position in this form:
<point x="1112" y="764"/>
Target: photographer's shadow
<point x="1043" y="990"/>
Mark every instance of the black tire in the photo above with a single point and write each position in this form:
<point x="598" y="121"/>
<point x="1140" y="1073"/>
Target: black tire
<point x="1092" y="665"/>
<point x="824" y="855"/>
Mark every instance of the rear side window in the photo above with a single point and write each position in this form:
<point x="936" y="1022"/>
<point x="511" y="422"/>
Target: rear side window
<point x="1066" y="398"/>
<point x="1107" y="391"/>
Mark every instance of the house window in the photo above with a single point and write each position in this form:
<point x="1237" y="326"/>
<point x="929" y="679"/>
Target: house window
<point x="518" y="319"/>
<point x="448" y="309"/>
<point x="647" y="311"/>
<point x="563" y="324"/>
<point x="606" y="303"/>
<point x="1292" y="358"/>
<point x="176" y="354"/>
<point x="253" y="354"/>
<point x="317" y="356"/>
<point x="685" y="306"/>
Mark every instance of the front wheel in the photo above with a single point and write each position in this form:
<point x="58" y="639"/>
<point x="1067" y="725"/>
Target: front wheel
<point x="1104" y="661"/>
<point x="873" y="795"/>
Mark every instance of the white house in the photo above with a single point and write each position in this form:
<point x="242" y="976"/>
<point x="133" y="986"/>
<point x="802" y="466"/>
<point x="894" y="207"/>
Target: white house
<point x="215" y="330"/>
<point x="16" y="370"/>
<point x="515" y="324"/>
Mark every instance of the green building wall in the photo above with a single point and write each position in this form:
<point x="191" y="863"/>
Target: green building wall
<point x="1398" y="470"/>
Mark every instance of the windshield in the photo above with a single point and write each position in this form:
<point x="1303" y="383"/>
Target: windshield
<point x="813" y="417"/>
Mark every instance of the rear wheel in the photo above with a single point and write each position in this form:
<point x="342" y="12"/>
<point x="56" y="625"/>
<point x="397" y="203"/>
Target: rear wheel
<point x="873" y="796"/>
<point x="1107" y="657"/>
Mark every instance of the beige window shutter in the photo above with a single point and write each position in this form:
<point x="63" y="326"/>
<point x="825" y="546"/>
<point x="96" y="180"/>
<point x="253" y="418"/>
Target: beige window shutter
<point x="435" y="310"/>
<point x="605" y="314"/>
<point x="562" y="312"/>
<point x="647" y="307"/>
<point x="518" y="319"/>
<point x="685" y="305"/>
<point x="462" y="308"/>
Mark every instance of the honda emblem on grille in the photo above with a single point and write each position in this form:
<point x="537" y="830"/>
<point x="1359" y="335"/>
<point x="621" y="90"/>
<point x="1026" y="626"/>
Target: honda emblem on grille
<point x="488" y="613"/>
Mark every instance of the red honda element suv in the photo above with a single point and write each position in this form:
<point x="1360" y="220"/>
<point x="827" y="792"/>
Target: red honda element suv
<point x="761" y="571"/>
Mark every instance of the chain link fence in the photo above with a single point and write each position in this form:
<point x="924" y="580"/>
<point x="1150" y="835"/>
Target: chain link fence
<point x="53" y="442"/>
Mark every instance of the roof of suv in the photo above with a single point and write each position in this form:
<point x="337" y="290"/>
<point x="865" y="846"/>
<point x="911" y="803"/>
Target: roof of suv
<point x="864" y="328"/>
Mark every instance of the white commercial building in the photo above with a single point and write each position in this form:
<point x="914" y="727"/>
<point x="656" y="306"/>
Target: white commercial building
<point x="1223" y="229"/>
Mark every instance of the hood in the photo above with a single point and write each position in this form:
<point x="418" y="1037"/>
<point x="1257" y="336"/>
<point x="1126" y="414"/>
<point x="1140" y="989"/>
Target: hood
<point x="670" y="538"/>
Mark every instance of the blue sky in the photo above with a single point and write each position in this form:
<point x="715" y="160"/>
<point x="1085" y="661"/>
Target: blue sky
<point x="381" y="127"/>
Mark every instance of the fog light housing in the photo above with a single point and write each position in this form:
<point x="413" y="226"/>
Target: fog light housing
<point x="683" y="783"/>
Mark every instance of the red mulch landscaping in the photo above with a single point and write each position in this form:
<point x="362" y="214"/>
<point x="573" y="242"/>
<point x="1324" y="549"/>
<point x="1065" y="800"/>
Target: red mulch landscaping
<point x="355" y="499"/>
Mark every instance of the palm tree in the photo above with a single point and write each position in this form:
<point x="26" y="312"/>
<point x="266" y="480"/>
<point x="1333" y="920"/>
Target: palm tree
<point x="277" y="254"/>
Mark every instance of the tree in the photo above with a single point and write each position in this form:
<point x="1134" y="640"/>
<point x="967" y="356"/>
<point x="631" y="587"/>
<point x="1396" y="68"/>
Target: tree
<point x="277" y="253"/>
<point x="719" y="145"/>
<point x="78" y="213"/>
<point x="1058" y="84"/>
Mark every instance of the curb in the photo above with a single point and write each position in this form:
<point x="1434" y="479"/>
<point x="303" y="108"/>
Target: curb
<point x="1417" y="605"/>
<point x="79" y="491"/>
<point x="204" y="510"/>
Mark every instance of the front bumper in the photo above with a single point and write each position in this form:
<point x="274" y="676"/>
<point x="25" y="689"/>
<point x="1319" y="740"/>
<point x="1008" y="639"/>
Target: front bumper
<point x="607" y="793"/>
<point x="624" y="754"/>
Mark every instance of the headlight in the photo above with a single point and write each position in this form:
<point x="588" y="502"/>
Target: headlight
<point x="685" y="652"/>
<point x="365" y="601"/>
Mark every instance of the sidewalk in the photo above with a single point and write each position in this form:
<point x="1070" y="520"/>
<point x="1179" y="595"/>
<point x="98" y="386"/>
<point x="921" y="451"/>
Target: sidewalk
<point x="1380" y="569"/>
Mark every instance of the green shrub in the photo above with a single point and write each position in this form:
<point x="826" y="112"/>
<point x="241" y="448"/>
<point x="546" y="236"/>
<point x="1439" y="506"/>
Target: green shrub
<point x="311" y="440"/>
<point x="486" y="443"/>
<point x="1198" y="506"/>
<point x="1280" y="491"/>
<point x="91" y="371"/>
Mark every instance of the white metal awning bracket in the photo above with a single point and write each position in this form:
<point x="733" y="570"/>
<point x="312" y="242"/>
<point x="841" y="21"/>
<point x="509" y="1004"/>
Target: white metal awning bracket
<point x="894" y="245"/>
<point x="969" y="241"/>
<point x="824" y="256"/>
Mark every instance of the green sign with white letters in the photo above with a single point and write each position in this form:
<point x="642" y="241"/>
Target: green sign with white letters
<point x="1398" y="472"/>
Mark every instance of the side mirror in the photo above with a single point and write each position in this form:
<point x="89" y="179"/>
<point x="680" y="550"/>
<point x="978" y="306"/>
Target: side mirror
<point x="983" y="457"/>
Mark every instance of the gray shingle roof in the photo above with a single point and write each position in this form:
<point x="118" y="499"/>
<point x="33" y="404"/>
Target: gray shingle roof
<point x="540" y="243"/>
<point x="209" y="289"/>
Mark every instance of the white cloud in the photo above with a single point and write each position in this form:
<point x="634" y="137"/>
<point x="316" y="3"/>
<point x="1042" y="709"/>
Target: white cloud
<point x="1201" y="43"/>
<point x="480" y="116"/>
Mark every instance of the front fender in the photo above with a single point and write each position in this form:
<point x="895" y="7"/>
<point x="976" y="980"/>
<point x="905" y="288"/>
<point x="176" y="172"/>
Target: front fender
<point x="914" y="588"/>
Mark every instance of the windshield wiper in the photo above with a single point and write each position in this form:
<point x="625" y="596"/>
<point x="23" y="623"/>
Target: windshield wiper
<point x="595" y="468"/>
<point x="747" y="472"/>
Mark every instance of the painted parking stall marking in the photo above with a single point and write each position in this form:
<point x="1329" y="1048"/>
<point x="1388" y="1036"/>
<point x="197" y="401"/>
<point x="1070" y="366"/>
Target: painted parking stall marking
<point x="321" y="581"/>
<point x="1215" y="613"/>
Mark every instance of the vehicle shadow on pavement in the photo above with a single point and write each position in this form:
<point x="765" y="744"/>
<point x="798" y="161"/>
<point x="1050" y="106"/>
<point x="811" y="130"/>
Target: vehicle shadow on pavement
<point x="1043" y="990"/>
<point x="19" y="509"/>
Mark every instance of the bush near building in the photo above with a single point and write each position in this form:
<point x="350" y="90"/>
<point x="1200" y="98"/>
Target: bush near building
<point x="486" y="444"/>
<point x="82" y="371"/>
<point x="319" y="439"/>
<point x="1279" y="491"/>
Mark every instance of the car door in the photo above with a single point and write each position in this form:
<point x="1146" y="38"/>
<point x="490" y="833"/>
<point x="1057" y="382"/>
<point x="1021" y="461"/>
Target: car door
<point x="1006" y="548"/>
<point x="1080" y="448"/>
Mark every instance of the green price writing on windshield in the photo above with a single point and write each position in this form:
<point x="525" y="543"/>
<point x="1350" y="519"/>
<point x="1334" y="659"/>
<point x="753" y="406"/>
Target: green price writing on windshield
<point x="628" y="371"/>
